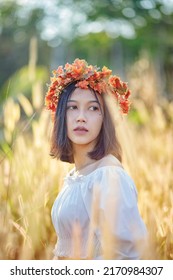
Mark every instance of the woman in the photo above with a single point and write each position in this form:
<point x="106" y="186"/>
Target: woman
<point x="95" y="215"/>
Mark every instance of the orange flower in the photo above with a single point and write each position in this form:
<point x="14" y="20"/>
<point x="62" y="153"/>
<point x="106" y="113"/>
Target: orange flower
<point x="98" y="87"/>
<point x="124" y="105"/>
<point x="77" y="72"/>
<point x="115" y="82"/>
<point x="106" y="71"/>
<point x="82" y="84"/>
<point x="59" y="71"/>
<point x="127" y="94"/>
<point x="67" y="67"/>
<point x="124" y="85"/>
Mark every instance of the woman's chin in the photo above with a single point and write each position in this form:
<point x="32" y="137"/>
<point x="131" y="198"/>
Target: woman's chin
<point x="83" y="143"/>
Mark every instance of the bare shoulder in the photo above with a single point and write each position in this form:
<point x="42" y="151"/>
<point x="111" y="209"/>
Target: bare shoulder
<point x="109" y="160"/>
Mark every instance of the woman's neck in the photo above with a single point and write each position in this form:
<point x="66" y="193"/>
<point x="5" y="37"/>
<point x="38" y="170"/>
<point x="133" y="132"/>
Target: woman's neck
<point x="81" y="158"/>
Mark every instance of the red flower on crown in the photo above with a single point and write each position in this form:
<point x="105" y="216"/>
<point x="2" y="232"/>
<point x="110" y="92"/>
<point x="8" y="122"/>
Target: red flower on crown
<point x="86" y="76"/>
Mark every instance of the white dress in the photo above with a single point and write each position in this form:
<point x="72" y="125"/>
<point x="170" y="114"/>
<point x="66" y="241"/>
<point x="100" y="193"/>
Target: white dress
<point x="105" y="188"/>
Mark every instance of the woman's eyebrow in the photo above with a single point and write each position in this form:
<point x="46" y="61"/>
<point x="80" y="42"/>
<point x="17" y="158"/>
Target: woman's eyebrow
<point x="91" y="101"/>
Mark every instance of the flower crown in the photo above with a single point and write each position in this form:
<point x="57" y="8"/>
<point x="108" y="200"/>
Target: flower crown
<point x="86" y="76"/>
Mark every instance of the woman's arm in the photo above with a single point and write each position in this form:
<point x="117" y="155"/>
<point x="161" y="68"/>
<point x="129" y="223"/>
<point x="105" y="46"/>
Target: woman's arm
<point x="123" y="233"/>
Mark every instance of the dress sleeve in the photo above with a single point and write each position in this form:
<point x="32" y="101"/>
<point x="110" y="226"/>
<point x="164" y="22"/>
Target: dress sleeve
<point x="119" y="219"/>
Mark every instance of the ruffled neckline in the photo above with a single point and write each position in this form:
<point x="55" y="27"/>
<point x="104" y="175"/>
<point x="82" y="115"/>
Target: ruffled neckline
<point x="108" y="160"/>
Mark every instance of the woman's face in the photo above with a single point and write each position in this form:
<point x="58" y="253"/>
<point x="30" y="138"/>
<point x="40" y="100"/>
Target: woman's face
<point x="84" y="117"/>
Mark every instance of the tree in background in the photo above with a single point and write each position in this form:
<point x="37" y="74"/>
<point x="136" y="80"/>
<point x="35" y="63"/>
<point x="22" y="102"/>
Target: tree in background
<point x="111" y="32"/>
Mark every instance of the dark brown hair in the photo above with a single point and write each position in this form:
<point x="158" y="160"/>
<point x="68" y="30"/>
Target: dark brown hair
<point x="61" y="147"/>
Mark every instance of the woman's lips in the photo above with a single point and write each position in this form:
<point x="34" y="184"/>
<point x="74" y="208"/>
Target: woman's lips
<point x="80" y="130"/>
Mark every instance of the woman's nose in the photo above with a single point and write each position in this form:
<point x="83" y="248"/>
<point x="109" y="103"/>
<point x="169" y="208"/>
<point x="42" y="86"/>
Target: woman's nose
<point x="81" y="117"/>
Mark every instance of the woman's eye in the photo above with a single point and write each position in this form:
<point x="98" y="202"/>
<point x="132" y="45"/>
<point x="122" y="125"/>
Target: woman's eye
<point x="94" y="108"/>
<point x="72" y="107"/>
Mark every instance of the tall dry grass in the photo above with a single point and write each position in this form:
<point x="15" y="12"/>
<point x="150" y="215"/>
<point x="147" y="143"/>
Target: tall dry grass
<point x="149" y="158"/>
<point x="29" y="183"/>
<point x="30" y="179"/>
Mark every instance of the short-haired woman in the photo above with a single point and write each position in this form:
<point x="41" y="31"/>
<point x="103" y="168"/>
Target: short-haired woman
<point x="95" y="215"/>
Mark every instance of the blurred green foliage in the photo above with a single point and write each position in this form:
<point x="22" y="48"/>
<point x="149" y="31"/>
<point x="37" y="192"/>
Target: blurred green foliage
<point x="111" y="32"/>
<point x="22" y="81"/>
